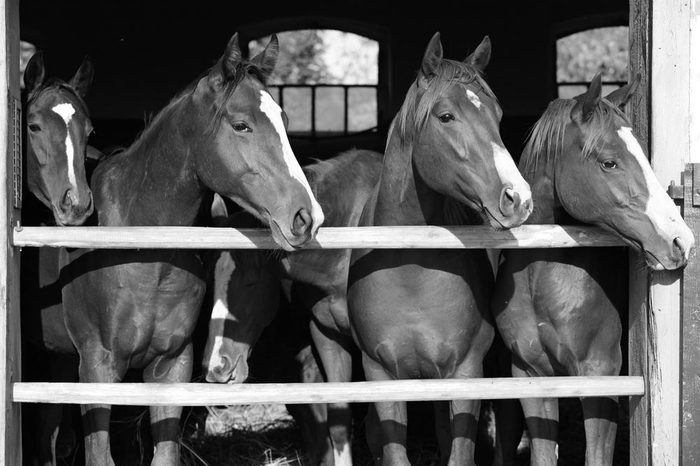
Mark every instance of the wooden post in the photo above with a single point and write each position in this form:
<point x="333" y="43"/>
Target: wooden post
<point x="690" y="329"/>
<point x="10" y="140"/>
<point x="670" y="151"/>
<point x="638" y="109"/>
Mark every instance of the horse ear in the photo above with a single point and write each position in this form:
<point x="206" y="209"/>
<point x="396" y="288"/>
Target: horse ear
<point x="588" y="101"/>
<point x="34" y="73"/>
<point x="218" y="208"/>
<point x="432" y="57"/>
<point x="621" y="96"/>
<point x="267" y="59"/>
<point x="82" y="79"/>
<point x="481" y="56"/>
<point x="232" y="58"/>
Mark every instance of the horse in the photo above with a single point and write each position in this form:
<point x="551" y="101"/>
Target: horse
<point x="558" y="310"/>
<point x="58" y="126"/>
<point x="425" y="313"/>
<point x="137" y="309"/>
<point x="315" y="280"/>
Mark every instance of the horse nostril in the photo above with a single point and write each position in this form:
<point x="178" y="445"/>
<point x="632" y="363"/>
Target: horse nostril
<point x="510" y="201"/>
<point x="302" y="222"/>
<point x="527" y="205"/>
<point x="679" y="248"/>
<point x="509" y="194"/>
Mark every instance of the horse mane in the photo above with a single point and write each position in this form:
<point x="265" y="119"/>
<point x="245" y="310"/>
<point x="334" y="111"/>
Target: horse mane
<point x="546" y="139"/>
<point x="243" y="69"/>
<point x="56" y="84"/>
<point x="419" y="102"/>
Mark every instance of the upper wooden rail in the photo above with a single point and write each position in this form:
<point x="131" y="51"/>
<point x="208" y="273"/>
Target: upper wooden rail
<point x="202" y="394"/>
<point x="397" y="237"/>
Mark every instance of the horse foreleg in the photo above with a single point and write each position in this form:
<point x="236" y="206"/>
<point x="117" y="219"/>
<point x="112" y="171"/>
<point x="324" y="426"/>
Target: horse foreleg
<point x="542" y="418"/>
<point x="312" y="418"/>
<point x="98" y="365"/>
<point x="334" y="353"/>
<point x="56" y="435"/>
<point x="600" y="421"/>
<point x="464" y="417"/>
<point x="165" y="420"/>
<point x="392" y="419"/>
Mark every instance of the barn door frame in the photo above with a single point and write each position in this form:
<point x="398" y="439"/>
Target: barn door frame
<point x="665" y="51"/>
<point x="10" y="174"/>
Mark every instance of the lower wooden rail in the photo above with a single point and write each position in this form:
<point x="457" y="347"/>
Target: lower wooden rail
<point x="396" y="237"/>
<point x="202" y="394"/>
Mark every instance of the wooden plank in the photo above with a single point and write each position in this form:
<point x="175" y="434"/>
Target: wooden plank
<point x="10" y="423"/>
<point x="474" y="237"/>
<point x="670" y="151"/>
<point x="694" y="80"/>
<point x="690" y="328"/>
<point x="638" y="110"/>
<point x="202" y="394"/>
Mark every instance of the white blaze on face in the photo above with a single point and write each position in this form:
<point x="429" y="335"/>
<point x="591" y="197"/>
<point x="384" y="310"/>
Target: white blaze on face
<point x="508" y="172"/>
<point x="660" y="208"/>
<point x="66" y="112"/>
<point x="473" y="98"/>
<point x="225" y="266"/>
<point x="273" y="111"/>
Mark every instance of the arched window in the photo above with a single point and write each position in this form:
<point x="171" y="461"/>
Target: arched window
<point x="583" y="54"/>
<point x="326" y="80"/>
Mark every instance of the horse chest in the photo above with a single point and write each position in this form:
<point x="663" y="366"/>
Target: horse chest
<point x="418" y="307"/>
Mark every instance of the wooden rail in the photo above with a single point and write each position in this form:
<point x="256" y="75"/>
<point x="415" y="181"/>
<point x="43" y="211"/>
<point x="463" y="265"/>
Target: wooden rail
<point x="203" y="394"/>
<point x="397" y="237"/>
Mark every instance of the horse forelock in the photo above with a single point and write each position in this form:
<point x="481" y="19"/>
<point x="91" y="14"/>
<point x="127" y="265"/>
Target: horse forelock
<point x="419" y="102"/>
<point x="243" y="70"/>
<point x="546" y="140"/>
<point x="53" y="85"/>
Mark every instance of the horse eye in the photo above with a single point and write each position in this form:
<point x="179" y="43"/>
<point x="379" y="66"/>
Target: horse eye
<point x="241" y="127"/>
<point x="34" y="128"/>
<point x="609" y="164"/>
<point x="446" y="117"/>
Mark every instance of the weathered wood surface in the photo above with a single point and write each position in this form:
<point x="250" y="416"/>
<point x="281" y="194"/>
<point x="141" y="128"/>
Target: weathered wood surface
<point x="690" y="330"/>
<point x="10" y="424"/>
<point x="475" y="237"/>
<point x="202" y="394"/>
<point x="670" y="151"/>
<point x="638" y="337"/>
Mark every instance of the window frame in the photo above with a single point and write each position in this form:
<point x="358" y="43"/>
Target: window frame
<point x="372" y="31"/>
<point x="573" y="26"/>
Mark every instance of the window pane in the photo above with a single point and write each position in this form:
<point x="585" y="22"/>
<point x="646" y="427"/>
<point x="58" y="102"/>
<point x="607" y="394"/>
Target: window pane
<point x="580" y="56"/>
<point x="322" y="56"/>
<point x="362" y="108"/>
<point x="297" y="104"/>
<point x="569" y="92"/>
<point x="330" y="104"/>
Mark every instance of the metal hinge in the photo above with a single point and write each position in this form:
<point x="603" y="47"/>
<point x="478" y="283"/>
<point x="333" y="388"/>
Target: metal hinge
<point x="16" y="152"/>
<point x="692" y="176"/>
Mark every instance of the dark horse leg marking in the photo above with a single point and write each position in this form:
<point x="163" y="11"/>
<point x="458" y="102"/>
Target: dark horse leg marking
<point x="165" y="420"/>
<point x="542" y="417"/>
<point x="392" y="419"/>
<point x="98" y="365"/>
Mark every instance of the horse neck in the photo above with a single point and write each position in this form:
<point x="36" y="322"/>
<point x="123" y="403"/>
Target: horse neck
<point x="158" y="184"/>
<point x="403" y="197"/>
<point x="547" y="208"/>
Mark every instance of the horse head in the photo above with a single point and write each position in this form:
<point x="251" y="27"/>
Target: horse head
<point x="58" y="126"/>
<point x="451" y="117"/>
<point x="602" y="176"/>
<point x="247" y="157"/>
